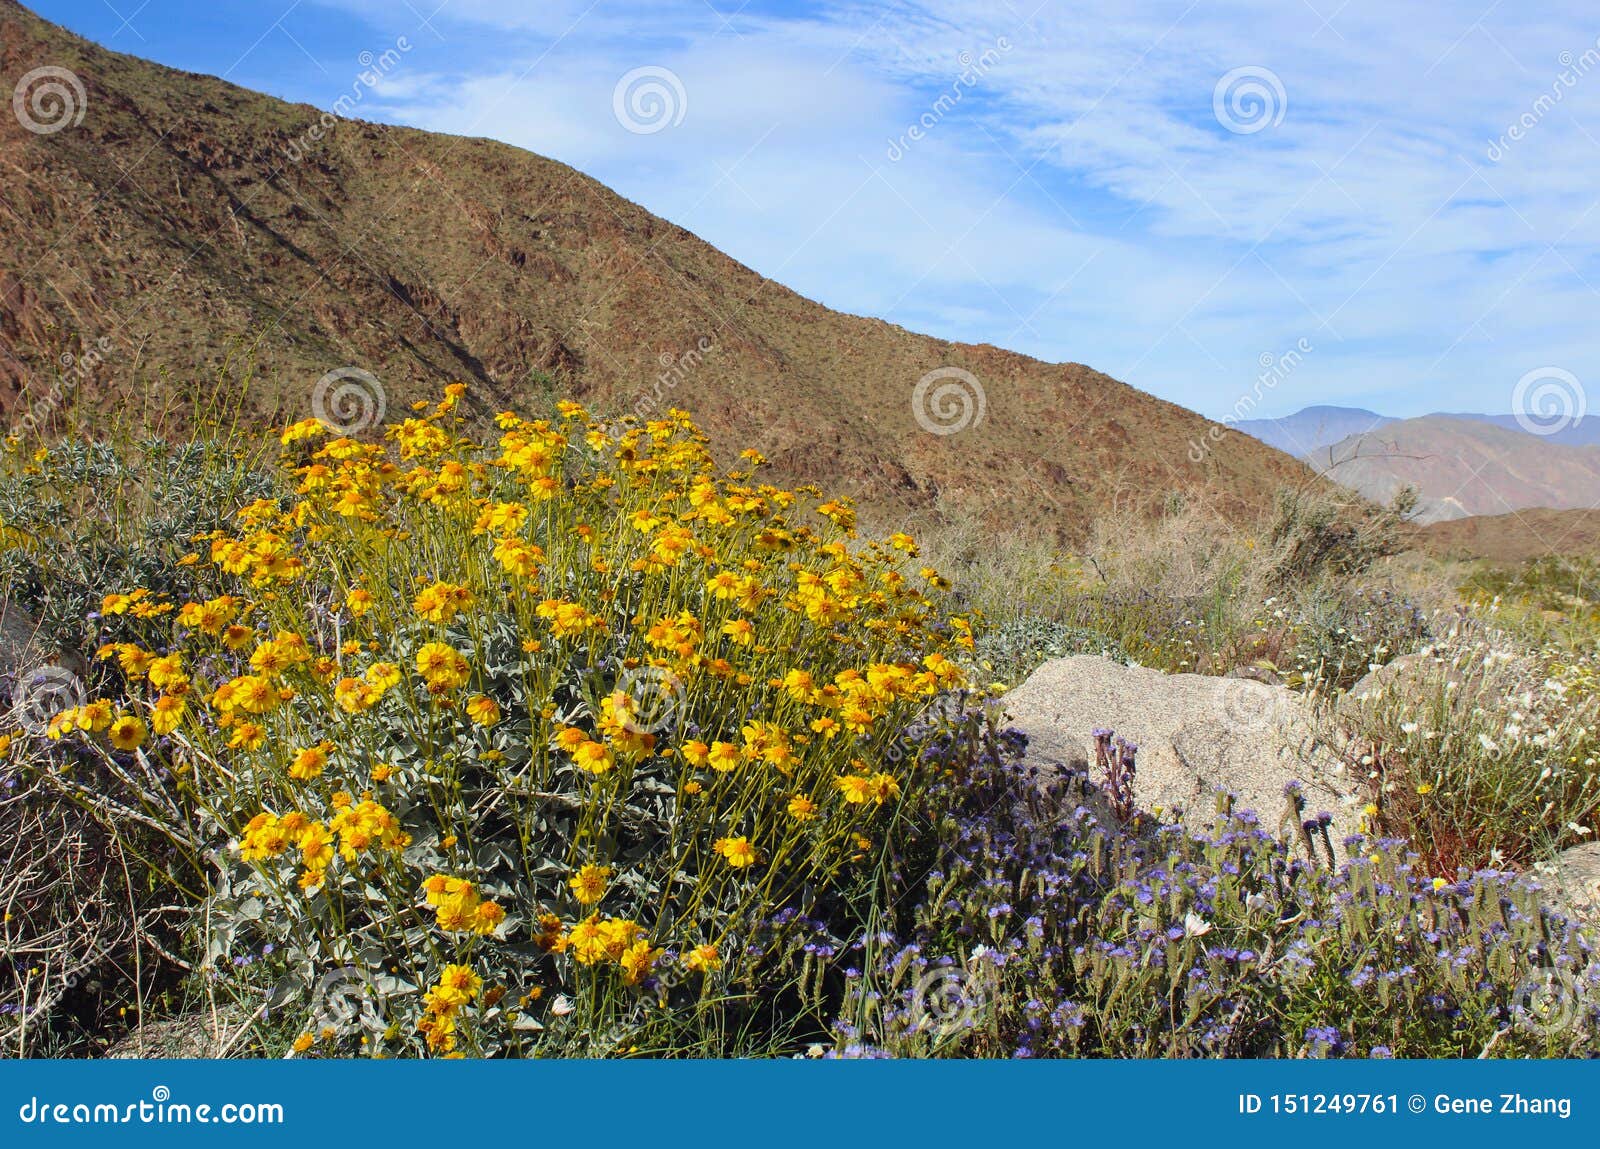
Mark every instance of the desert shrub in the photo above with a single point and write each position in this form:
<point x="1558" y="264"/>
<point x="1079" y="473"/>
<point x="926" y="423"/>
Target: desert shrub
<point x="512" y="744"/>
<point x="97" y="884"/>
<point x="66" y="925"/>
<point x="1188" y="591"/>
<point x="1313" y="534"/>
<point x="80" y="518"/>
<point x="1009" y="650"/>
<point x="1336" y="638"/>
<point x="1039" y="930"/>
<point x="1550" y="582"/>
<point x="1001" y="578"/>
<point x="1484" y="752"/>
<point x="1189" y="554"/>
<point x="1548" y="601"/>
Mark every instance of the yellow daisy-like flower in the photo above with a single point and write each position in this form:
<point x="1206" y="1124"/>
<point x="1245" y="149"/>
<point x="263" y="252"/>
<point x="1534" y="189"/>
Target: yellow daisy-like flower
<point x="637" y="961"/>
<point x="135" y="662"/>
<point x="856" y="788"/>
<point x="458" y="984"/>
<point x="518" y="557"/>
<point x="738" y="852"/>
<point x="703" y="958"/>
<point x="126" y="733"/>
<point x="316" y="847"/>
<point x="166" y="714"/>
<point x="441" y="601"/>
<point x="723" y="757"/>
<point x="593" y="757"/>
<point x="248" y="736"/>
<point x="501" y="518"/>
<point x="589" y="883"/>
<point x="353" y="695"/>
<point x="96" y="716"/>
<point x="800" y="685"/>
<point x="619" y="934"/>
<point x="827" y="727"/>
<point x="442" y="666"/>
<point x="802" y="809"/>
<point x="483" y="710"/>
<point x="382" y="676"/>
<point x="487" y="918"/>
<point x="586" y="941"/>
<point x="309" y="762"/>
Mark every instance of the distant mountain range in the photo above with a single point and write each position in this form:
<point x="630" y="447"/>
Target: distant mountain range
<point x="1461" y="464"/>
<point x="1314" y="428"/>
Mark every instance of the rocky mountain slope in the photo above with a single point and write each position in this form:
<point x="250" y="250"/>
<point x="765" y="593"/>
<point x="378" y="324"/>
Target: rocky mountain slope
<point x="1514" y="537"/>
<point x="169" y="238"/>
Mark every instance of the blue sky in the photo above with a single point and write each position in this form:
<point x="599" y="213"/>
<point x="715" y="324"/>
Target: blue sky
<point x="1174" y="193"/>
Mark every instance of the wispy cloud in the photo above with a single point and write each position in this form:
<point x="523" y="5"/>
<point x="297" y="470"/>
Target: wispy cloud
<point x="1079" y="199"/>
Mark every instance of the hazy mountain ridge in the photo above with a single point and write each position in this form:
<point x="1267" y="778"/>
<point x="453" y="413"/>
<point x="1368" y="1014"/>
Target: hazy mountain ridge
<point x="1315" y="428"/>
<point x="1312" y="428"/>
<point x="1464" y="466"/>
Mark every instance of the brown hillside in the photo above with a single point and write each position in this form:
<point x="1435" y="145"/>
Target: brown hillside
<point x="173" y="229"/>
<point x="1513" y="538"/>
